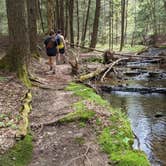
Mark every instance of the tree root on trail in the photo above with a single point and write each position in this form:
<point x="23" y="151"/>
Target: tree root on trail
<point x="53" y="122"/>
<point x="80" y="157"/>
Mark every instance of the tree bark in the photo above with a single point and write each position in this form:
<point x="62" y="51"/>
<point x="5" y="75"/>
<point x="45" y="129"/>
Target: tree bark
<point x="95" y="24"/>
<point x="40" y="14"/>
<point x="122" y="24"/>
<point x="71" y="9"/>
<point x="32" y="25"/>
<point x="62" y="15"/>
<point x="18" y="56"/>
<point x="85" y="26"/>
<point x="78" y="23"/>
<point x="50" y="14"/>
<point x="66" y="19"/>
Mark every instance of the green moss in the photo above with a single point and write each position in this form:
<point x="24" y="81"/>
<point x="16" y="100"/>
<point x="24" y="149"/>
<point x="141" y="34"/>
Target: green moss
<point x="130" y="158"/>
<point x="116" y="139"/>
<point x="82" y="124"/>
<point x="94" y="59"/>
<point x="19" y="155"/>
<point x="23" y="76"/>
<point x="24" y="112"/>
<point x="86" y="93"/>
<point x="80" y="140"/>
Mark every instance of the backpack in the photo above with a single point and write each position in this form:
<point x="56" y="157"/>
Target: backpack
<point x="50" y="43"/>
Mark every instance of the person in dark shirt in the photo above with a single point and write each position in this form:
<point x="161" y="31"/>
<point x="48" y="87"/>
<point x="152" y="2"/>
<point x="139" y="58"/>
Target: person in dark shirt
<point x="51" y="50"/>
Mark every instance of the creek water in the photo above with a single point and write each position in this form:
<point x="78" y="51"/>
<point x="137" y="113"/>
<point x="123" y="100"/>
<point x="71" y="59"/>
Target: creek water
<point x="146" y="112"/>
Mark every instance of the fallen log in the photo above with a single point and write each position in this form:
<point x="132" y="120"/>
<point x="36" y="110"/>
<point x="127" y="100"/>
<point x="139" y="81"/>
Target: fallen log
<point x="142" y="90"/>
<point x="106" y="69"/>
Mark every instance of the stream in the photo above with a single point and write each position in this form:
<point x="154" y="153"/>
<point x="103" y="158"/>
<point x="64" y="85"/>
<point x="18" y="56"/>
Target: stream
<point x="146" y="112"/>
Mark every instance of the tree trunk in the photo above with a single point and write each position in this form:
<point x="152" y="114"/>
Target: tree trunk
<point x="71" y="9"/>
<point x="58" y="15"/>
<point x="122" y="24"/>
<point x="62" y="16"/>
<point x="66" y="19"/>
<point x="85" y="26"/>
<point x="50" y="14"/>
<point x="32" y="17"/>
<point x="126" y="14"/>
<point x="40" y="14"/>
<point x="18" y="56"/>
<point x="78" y="23"/>
<point x="95" y="24"/>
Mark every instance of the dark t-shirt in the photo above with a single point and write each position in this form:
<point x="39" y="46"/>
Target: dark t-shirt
<point x="50" y="45"/>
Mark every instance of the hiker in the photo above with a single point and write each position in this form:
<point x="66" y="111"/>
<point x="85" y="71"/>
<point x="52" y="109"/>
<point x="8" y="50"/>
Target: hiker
<point x="61" y="46"/>
<point x="51" y="50"/>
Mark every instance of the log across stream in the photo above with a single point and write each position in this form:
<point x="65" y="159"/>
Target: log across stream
<point x="142" y="90"/>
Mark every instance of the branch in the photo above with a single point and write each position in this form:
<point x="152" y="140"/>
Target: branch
<point x="112" y="65"/>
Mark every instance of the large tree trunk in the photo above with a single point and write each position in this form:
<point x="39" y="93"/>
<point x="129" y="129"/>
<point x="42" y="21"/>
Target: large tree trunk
<point x="122" y="24"/>
<point x="50" y="14"/>
<point x="32" y="17"/>
<point x="18" y="56"/>
<point x="95" y="25"/>
<point x="71" y="9"/>
<point x="85" y="26"/>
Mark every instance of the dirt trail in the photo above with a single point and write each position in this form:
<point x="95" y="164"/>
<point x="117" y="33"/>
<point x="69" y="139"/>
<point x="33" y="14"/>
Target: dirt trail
<point x="60" y="145"/>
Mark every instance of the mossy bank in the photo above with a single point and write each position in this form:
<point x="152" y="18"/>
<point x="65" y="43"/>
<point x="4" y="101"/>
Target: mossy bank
<point x="19" y="155"/>
<point x="116" y="138"/>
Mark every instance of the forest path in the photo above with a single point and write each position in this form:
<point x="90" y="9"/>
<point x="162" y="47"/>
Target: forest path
<point x="66" y="144"/>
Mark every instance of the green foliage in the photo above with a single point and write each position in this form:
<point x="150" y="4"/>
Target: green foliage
<point x="86" y="93"/>
<point x="19" y="155"/>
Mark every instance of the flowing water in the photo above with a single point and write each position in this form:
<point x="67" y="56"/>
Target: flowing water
<point x="146" y="112"/>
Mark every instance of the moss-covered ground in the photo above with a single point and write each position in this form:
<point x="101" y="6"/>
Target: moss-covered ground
<point x="115" y="139"/>
<point x="19" y="155"/>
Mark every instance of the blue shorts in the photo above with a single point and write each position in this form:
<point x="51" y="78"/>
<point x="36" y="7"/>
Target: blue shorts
<point x="51" y="52"/>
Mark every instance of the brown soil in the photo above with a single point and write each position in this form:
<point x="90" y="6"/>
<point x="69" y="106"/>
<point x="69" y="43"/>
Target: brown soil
<point x="11" y="94"/>
<point x="66" y="144"/>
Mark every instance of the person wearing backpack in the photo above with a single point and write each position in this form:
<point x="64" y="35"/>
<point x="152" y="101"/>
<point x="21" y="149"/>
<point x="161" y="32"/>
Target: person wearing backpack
<point x="51" y="50"/>
<point x="61" y="46"/>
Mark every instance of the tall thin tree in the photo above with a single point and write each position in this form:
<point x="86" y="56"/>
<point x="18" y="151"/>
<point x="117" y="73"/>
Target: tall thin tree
<point x="95" y="24"/>
<point x="32" y="24"/>
<point x="122" y="24"/>
<point x="85" y="26"/>
<point x="71" y="9"/>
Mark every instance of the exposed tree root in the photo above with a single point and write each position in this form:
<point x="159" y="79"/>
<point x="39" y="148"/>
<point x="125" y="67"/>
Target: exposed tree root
<point x="80" y="157"/>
